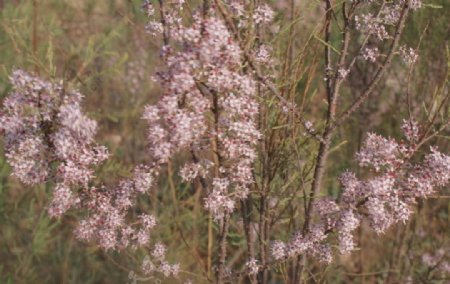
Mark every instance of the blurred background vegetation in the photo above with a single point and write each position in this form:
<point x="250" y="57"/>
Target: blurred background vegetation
<point x="100" y="47"/>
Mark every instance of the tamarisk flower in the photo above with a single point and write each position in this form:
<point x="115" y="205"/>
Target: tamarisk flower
<point x="263" y="14"/>
<point x="207" y="103"/>
<point x="371" y="54"/>
<point x="263" y="55"/>
<point x="252" y="266"/>
<point x="410" y="129"/>
<point x="278" y="250"/>
<point x="190" y="171"/>
<point x="416" y="4"/>
<point x="376" y="24"/>
<point x="158" y="263"/>
<point x="45" y="129"/>
<point x="44" y="125"/>
<point x="311" y="243"/>
<point x="28" y="106"/>
<point x="372" y="25"/>
<point x="327" y="208"/>
<point x="108" y="207"/>
<point x="218" y="202"/>
<point x="379" y="152"/>
<point x="348" y="222"/>
<point x="343" y="72"/>
<point x="408" y="54"/>
<point x="385" y="199"/>
<point x="375" y="21"/>
<point x="309" y="126"/>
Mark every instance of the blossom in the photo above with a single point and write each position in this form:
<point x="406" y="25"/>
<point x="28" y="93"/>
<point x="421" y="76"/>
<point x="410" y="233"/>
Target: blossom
<point x="27" y="159"/>
<point x="190" y="171"/>
<point x="148" y="266"/>
<point x="416" y="4"/>
<point x="343" y="72"/>
<point x="369" y="24"/>
<point x="159" y="264"/>
<point x="348" y="222"/>
<point x="371" y="54"/>
<point x="63" y="199"/>
<point x="278" y="250"/>
<point x="263" y="55"/>
<point x="408" y="55"/>
<point x="350" y="187"/>
<point x="378" y="152"/>
<point x="383" y="199"/>
<point x="263" y="14"/>
<point x="148" y="8"/>
<point x="218" y="202"/>
<point x="252" y="266"/>
<point x="148" y="221"/>
<point x="159" y="251"/>
<point x="323" y="253"/>
<point x="411" y="130"/>
<point x="202" y="78"/>
<point x="326" y="208"/>
<point x="44" y="124"/>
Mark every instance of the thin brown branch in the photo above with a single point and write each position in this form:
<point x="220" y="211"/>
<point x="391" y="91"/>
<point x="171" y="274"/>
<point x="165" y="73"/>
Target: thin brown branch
<point x="380" y="72"/>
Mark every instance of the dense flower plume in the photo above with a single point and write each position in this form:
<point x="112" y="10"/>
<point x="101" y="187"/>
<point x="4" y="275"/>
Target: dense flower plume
<point x="207" y="103"/>
<point x="383" y="200"/>
<point x="44" y="125"/>
<point x="109" y="207"/>
<point x="49" y="138"/>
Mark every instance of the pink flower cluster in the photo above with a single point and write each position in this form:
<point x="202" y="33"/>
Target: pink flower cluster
<point x="372" y="25"/>
<point x="207" y="103"/>
<point x="158" y="263"/>
<point x="263" y="14"/>
<point x="376" y="20"/>
<point x="377" y="23"/>
<point x="379" y="153"/>
<point x="108" y="208"/>
<point x="371" y="54"/>
<point x="384" y="199"/>
<point x="44" y="126"/>
<point x="252" y="266"/>
<point x="310" y="243"/>
<point x="49" y="138"/>
<point x="408" y="55"/>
